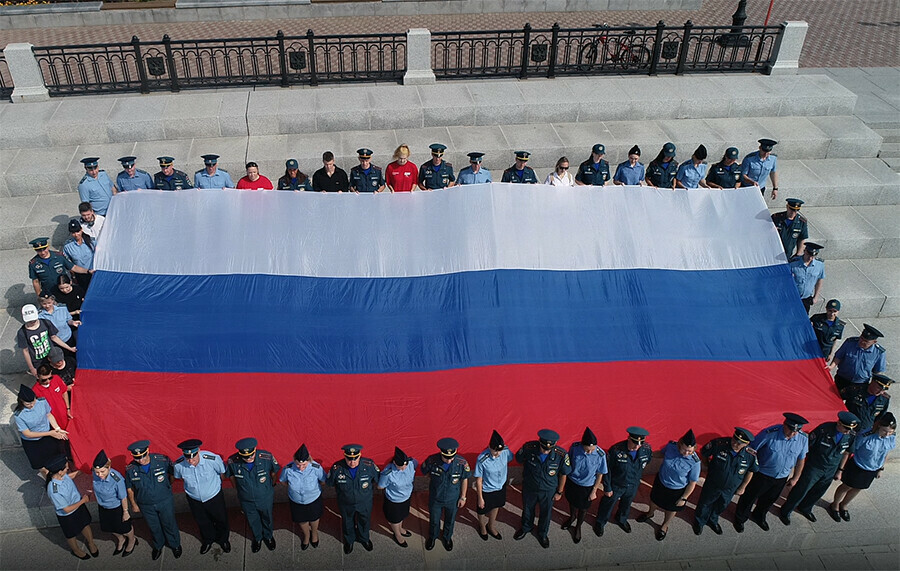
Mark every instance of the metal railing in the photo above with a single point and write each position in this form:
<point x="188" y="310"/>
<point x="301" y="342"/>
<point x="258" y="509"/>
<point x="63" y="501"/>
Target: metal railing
<point x="6" y="84"/>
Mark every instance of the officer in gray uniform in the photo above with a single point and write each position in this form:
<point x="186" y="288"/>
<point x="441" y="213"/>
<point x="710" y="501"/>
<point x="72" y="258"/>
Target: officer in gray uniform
<point x="474" y="173"/>
<point x="253" y="474"/>
<point x="354" y="479"/>
<point x="131" y="178"/>
<point x="520" y="172"/>
<point x="148" y="479"/>
<point x="546" y="467"/>
<point x="211" y="176"/>
<point x="858" y="358"/>
<point x="169" y="178"/>
<point x="95" y="186"/>
<point x="448" y="475"/>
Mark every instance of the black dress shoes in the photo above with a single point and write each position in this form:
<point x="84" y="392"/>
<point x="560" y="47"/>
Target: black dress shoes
<point x="520" y="534"/>
<point x="226" y="546"/>
<point x="448" y="544"/>
<point x="598" y="530"/>
<point x="545" y="542"/>
<point x="157" y="553"/>
<point x="698" y="529"/>
<point x="808" y="515"/>
<point x="176" y="552"/>
<point x="429" y="544"/>
<point x="717" y="529"/>
<point x="270" y="543"/>
<point x="626" y="527"/>
<point x="348" y="548"/>
<point x="738" y="526"/>
<point x="205" y="547"/>
<point x="255" y="546"/>
<point x="368" y="545"/>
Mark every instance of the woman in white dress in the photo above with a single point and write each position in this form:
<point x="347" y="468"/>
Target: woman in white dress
<point x="561" y="175"/>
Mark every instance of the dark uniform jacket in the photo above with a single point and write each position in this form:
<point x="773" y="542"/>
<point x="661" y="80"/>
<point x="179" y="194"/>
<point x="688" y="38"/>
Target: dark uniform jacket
<point x="624" y="471"/>
<point x="587" y="174"/>
<point x="866" y="407"/>
<point x="726" y="470"/>
<point x="826" y="334"/>
<point x="362" y="182"/>
<point x="723" y="176"/>
<point x="512" y="175"/>
<point x="256" y="485"/>
<point x="47" y="271"/>
<point x="445" y="486"/>
<point x="433" y="177"/>
<point x="178" y="181"/>
<point x="663" y="178"/>
<point x="543" y="476"/>
<point x="154" y="486"/>
<point x="824" y="453"/>
<point x="791" y="232"/>
<point x="357" y="491"/>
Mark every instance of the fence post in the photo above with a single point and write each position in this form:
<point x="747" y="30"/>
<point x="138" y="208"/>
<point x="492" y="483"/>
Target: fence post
<point x="311" y="50"/>
<point x="139" y="62"/>
<point x="418" y="57"/>
<point x="526" y="50"/>
<point x="170" y="63"/>
<point x="282" y="59"/>
<point x="657" y="47"/>
<point x="28" y="81"/>
<point x="682" y="53"/>
<point x="786" y="54"/>
<point x="554" y="41"/>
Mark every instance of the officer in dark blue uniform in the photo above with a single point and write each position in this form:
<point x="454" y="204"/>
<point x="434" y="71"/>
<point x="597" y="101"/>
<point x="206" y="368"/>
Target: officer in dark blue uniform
<point x="868" y="401"/>
<point x="793" y="228"/>
<point x="729" y="467"/>
<point x="545" y="469"/>
<point x="366" y="177"/>
<point x="354" y="479"/>
<point x="520" y="172"/>
<point x="662" y="170"/>
<point x="595" y="170"/>
<point x="148" y="479"/>
<point x="828" y="327"/>
<point x="436" y="173"/>
<point x="169" y="178"/>
<point x="627" y="460"/>
<point x="830" y="445"/>
<point x="46" y="266"/>
<point x="253" y="474"/>
<point x="727" y="172"/>
<point x="448" y="475"/>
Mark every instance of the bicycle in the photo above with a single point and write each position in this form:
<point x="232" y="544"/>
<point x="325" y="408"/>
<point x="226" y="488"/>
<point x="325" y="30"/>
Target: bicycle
<point x="625" y="52"/>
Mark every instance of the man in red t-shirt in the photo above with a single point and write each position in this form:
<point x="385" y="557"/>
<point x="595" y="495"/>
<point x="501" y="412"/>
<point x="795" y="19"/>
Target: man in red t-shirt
<point x="54" y="390"/>
<point x="401" y="175"/>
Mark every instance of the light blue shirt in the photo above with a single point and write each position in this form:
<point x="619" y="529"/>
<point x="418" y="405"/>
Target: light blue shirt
<point x="690" y="174"/>
<point x="202" y="482"/>
<point x="777" y="455"/>
<point x="111" y="491"/>
<point x="585" y="467"/>
<point x="97" y="191"/>
<point x="806" y="277"/>
<point x="630" y="175"/>
<point x="467" y="176"/>
<point x="397" y="483"/>
<point x="677" y="471"/>
<point x="34" y="418"/>
<point x="858" y="364"/>
<point x="493" y="471"/>
<point x="79" y="254"/>
<point x="63" y="493"/>
<point x="140" y="181"/>
<point x="60" y="318"/>
<point x="219" y="179"/>
<point x="870" y="451"/>
<point x="757" y="169"/>
<point x="303" y="486"/>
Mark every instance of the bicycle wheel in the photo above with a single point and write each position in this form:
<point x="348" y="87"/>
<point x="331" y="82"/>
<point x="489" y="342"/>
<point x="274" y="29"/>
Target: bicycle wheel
<point x="635" y="56"/>
<point x="587" y="57"/>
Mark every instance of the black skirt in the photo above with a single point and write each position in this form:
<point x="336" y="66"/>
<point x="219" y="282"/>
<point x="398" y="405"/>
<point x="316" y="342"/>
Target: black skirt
<point x="396" y="512"/>
<point x="111" y="520"/>
<point x="73" y="523"/>
<point x="39" y="452"/>
<point x="578" y="496"/>
<point x="666" y="498"/>
<point x="492" y="500"/>
<point x="305" y="513"/>
<point x="856" y="477"/>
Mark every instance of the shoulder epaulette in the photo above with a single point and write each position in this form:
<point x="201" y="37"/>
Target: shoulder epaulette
<point x="263" y="454"/>
<point x="199" y="171"/>
<point x="852" y="339"/>
<point x="695" y="457"/>
<point x="773" y="429"/>
<point x="367" y="462"/>
<point x="114" y="476"/>
<point x="222" y="170"/>
<point x="209" y="456"/>
<point x="180" y="460"/>
<point x="16" y="413"/>
<point x="879" y="348"/>
<point x="84" y="178"/>
<point x="41" y="398"/>
<point x="315" y="464"/>
<point x="560" y="450"/>
<point x="376" y="167"/>
<point x="139" y="170"/>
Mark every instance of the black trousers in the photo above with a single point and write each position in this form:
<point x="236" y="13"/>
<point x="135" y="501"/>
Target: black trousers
<point x="212" y="518"/>
<point x="763" y="490"/>
<point x="807" y="303"/>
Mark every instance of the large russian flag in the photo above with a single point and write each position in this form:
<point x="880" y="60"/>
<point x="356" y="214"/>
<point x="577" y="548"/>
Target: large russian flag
<point x="398" y="319"/>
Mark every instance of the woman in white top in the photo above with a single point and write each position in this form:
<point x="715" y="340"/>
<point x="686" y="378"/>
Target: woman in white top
<point x="561" y="175"/>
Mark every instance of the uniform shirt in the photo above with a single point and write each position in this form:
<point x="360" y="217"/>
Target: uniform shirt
<point x="92" y="229"/>
<point x="676" y="470"/>
<point x="34" y="418"/>
<point x="790" y="231"/>
<point x="586" y="467"/>
<point x="468" y="176"/>
<point x="60" y="319"/>
<point x="591" y="173"/>
<point x="445" y="479"/>
<point x="630" y="175"/>
<point x="866" y="407"/>
<point x="202" y="482"/>
<point x="871" y="450"/>
<point x="827" y="332"/>
<point x="757" y="169"/>
<point x="401" y="178"/>
<point x="177" y="181"/>
<point x="288" y="183"/>
<point x="97" y="191"/>
<point x="63" y="493"/>
<point x="111" y="491"/>
<point x="826" y="449"/>
<point x="542" y="475"/>
<point x="662" y="174"/>
<point x="858" y="364"/>
<point x="354" y="491"/>
<point x="80" y="254"/>
<point x="727" y="468"/>
<point x="366" y="180"/>
<point x="303" y="486"/>
<point x="253" y="484"/>
<point x="337" y="182"/>
<point x="140" y="181"/>
<point x="524" y="176"/>
<point x="219" y="179"/>
<point x="54" y="393"/>
<point x="777" y="455"/>
<point x="725" y="176"/>
<point x="807" y="276"/>
<point x="37" y="341"/>
<point x="397" y="483"/>
<point x="46" y="271"/>
<point x="626" y="467"/>
<point x="440" y="176"/>
<point x="493" y="471"/>
<point x="690" y="174"/>
<point x="151" y="486"/>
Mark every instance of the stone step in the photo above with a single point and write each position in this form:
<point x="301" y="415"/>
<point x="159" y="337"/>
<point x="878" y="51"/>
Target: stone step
<point x="855" y="232"/>
<point x="889" y="150"/>
<point x="889" y="135"/>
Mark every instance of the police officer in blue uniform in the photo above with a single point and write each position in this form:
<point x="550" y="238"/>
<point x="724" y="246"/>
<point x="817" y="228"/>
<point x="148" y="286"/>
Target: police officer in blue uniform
<point x="781" y="452"/>
<point x="436" y="173"/>
<point x="211" y="176"/>
<point x="366" y="177"/>
<point x="675" y="481"/>
<point x="448" y="476"/>
<point x="858" y="358"/>
<point x="760" y="165"/>
<point x="727" y="172"/>
<point x="520" y="172"/>
<point x="253" y="474"/>
<point x="148" y="479"/>
<point x="868" y="401"/>
<point x="867" y="463"/>
<point x="202" y="474"/>
<point x="545" y="470"/>
<point x="627" y="460"/>
<point x="95" y="186"/>
<point x="692" y="173"/>
<point x="793" y="228"/>
<point x="474" y="173"/>
<point x="729" y="467"/>
<point x="46" y="266"/>
<point x="169" y="178"/>
<point x="585" y="482"/>
<point x="808" y="273"/>
<point x="830" y="445"/>
<point x="354" y="479"/>
<point x="594" y="171"/>
<point x="828" y="327"/>
<point x="132" y="178"/>
<point x="632" y="171"/>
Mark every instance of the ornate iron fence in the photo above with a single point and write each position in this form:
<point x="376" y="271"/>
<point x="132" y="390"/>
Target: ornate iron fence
<point x="6" y="84"/>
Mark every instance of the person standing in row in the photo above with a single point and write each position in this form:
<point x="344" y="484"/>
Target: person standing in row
<point x="79" y="249"/>
<point x="730" y="465"/>
<point x="168" y="177"/>
<point x="71" y="507"/>
<point x="585" y="481"/>
<point x="401" y="175"/>
<point x="792" y="227"/>
<point x="293" y="178"/>
<point x="330" y="178"/>
<point x="828" y="327"/>
<point x="868" y="401"/>
<point x="253" y="475"/>
<point x="436" y="173"/>
<point x="36" y="337"/>
<point x="545" y="470"/>
<point x="112" y="504"/>
<point x="692" y="173"/>
<point x="594" y="171"/>
<point x="809" y="273"/>
<point x="727" y="172"/>
<point x="54" y="390"/>
<point x="91" y="222"/>
<point x="867" y="463"/>
<point x="520" y="172"/>
<point x="561" y="175"/>
<point x="304" y="479"/>
<point x="627" y="460"/>
<point x="491" y="475"/>
<point x="148" y="479"/>
<point x="858" y="358"/>
<point x="448" y="478"/>
<point x="675" y="481"/>
<point x="202" y="474"/>
<point x="397" y="482"/>
<point x="354" y="479"/>
<point x="46" y="266"/>
<point x="95" y="186"/>
<point x="211" y="176"/>
<point x="253" y="180"/>
<point x="366" y="177"/>
<point x="131" y="177"/>
<point x="42" y="437"/>
<point x="474" y="173"/>
<point x="662" y="170"/>
<point x="631" y="172"/>
<point x="760" y="165"/>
